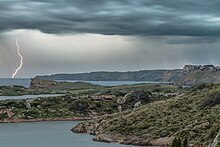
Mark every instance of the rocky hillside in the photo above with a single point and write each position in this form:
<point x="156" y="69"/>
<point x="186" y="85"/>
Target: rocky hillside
<point x="199" y="74"/>
<point x="145" y="75"/>
<point x="194" y="115"/>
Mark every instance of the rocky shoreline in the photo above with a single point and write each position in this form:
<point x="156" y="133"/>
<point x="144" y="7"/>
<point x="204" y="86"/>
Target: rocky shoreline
<point x="45" y="120"/>
<point x="96" y="129"/>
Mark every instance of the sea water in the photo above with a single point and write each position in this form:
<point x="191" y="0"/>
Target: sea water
<point x="26" y="82"/>
<point x="47" y="134"/>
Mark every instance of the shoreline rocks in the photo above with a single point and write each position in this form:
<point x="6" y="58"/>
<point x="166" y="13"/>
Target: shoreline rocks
<point x="95" y="129"/>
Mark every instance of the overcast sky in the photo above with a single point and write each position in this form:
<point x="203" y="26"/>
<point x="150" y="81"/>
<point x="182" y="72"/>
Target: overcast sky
<point x="72" y="36"/>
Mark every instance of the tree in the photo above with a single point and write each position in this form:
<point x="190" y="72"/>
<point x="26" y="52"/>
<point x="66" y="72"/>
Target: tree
<point x="140" y="95"/>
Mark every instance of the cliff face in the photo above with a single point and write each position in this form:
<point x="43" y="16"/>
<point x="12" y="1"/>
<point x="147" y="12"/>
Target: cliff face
<point x="193" y="74"/>
<point x="193" y="68"/>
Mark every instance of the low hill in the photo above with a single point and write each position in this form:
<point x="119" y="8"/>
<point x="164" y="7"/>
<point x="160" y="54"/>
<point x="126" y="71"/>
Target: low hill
<point x="145" y="75"/>
<point x="194" y="115"/>
<point x="48" y="84"/>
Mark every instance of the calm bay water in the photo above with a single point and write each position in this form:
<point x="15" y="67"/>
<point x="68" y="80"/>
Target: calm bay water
<point x="29" y="96"/>
<point x="113" y="83"/>
<point x="26" y="82"/>
<point x="9" y="82"/>
<point x="46" y="134"/>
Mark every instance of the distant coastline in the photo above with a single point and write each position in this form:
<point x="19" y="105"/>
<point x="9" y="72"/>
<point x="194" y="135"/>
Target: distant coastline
<point x="189" y="75"/>
<point x="142" y="75"/>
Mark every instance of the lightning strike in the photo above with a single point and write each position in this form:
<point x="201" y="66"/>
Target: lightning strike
<point x="21" y="59"/>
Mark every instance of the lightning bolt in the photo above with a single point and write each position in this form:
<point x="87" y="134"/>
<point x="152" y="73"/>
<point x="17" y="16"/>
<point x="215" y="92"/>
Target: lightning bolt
<point x="21" y="59"/>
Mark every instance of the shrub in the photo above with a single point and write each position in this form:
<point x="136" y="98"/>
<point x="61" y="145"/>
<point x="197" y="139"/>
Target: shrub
<point x="3" y="115"/>
<point x="79" y="105"/>
<point x="211" y="100"/>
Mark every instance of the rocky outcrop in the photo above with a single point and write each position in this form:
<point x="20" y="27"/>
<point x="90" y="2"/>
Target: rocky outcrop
<point x="193" y="68"/>
<point x="197" y="74"/>
<point x="94" y="128"/>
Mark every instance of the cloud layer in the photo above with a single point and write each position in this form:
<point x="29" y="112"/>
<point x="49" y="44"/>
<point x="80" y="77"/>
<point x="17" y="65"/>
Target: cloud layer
<point x="113" y="17"/>
<point x="71" y="36"/>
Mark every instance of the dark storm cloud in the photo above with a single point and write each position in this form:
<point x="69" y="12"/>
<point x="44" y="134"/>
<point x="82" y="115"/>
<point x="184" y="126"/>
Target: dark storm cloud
<point x="113" y="17"/>
<point x="193" y="40"/>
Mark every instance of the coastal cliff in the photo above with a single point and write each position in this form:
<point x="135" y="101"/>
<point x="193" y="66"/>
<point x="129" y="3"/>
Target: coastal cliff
<point x="193" y="74"/>
<point x="189" y="75"/>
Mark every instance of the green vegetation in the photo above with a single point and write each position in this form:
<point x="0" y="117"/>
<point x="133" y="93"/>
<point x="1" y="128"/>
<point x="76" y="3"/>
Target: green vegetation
<point x="194" y="115"/>
<point x="177" y="142"/>
<point x="56" y="107"/>
<point x="49" y="87"/>
<point x="81" y="99"/>
<point x="12" y="90"/>
<point x="3" y="116"/>
<point x="20" y="90"/>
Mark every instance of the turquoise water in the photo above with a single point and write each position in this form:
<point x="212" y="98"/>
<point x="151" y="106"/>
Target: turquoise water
<point x="46" y="134"/>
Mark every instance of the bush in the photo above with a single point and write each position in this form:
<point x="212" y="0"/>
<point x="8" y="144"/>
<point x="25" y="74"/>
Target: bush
<point x="139" y="95"/>
<point x="176" y="142"/>
<point x="3" y="115"/>
<point x="79" y="105"/>
<point x="211" y="100"/>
